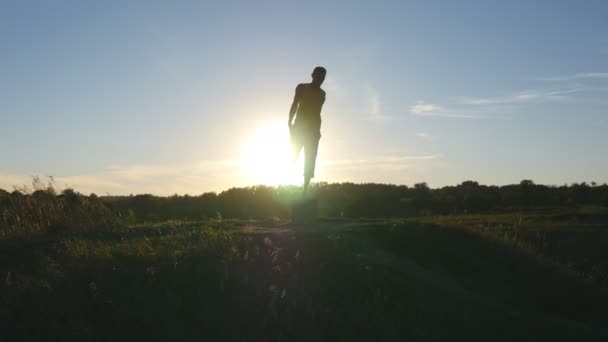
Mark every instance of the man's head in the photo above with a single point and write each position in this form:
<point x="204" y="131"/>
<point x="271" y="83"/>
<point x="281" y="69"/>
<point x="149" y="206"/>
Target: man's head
<point x="318" y="76"/>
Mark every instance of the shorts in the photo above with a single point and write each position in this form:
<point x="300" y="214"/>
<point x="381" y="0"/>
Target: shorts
<point x="303" y="137"/>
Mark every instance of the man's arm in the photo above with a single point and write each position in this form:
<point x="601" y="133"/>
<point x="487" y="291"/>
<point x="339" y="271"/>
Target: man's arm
<point x="294" y="106"/>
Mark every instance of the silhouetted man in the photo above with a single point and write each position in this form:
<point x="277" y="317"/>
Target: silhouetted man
<point x="306" y="129"/>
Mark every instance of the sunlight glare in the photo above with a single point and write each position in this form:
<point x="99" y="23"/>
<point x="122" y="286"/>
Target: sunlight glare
<point x="267" y="157"/>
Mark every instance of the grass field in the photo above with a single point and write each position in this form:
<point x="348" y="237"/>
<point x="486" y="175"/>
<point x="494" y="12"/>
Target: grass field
<point x="534" y="276"/>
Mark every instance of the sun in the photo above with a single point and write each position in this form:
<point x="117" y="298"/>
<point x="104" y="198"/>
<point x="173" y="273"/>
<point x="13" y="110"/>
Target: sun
<point x="267" y="157"/>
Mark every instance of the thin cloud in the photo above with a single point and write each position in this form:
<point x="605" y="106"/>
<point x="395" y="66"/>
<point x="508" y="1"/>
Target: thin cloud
<point x="375" y="104"/>
<point x="527" y="96"/>
<point x="499" y="106"/>
<point x="201" y="176"/>
<point x="83" y="183"/>
<point x="381" y="159"/>
<point x="379" y="163"/>
<point x="425" y="136"/>
<point x="419" y="157"/>
<point x="422" y="108"/>
<point x="577" y="76"/>
<point x="197" y="177"/>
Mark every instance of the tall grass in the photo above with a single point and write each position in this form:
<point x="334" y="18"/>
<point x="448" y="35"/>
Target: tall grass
<point x="41" y="209"/>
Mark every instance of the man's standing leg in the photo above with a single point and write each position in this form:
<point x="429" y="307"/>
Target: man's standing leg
<point x="310" y="154"/>
<point x="297" y="142"/>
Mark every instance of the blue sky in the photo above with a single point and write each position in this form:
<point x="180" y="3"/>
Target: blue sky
<point x="142" y="96"/>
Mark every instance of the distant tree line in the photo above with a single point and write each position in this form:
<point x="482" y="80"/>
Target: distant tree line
<point x="362" y="200"/>
<point x="43" y="208"/>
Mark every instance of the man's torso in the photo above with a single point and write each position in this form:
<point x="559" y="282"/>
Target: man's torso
<point x="311" y="101"/>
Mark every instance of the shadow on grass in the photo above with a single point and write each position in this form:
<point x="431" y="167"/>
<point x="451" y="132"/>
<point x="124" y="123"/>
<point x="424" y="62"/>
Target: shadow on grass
<point x="363" y="282"/>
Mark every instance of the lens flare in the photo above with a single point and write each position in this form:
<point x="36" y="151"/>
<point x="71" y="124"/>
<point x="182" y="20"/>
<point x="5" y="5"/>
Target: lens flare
<point x="268" y="158"/>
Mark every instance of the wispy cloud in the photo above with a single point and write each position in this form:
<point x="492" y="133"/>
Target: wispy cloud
<point x="422" y="108"/>
<point x="379" y="163"/>
<point x="401" y="169"/>
<point x="495" y="107"/>
<point x="560" y="88"/>
<point x="409" y="158"/>
<point x="83" y="183"/>
<point x="425" y="136"/>
<point x="576" y="76"/>
<point x="210" y="175"/>
<point x="375" y="105"/>
<point x="197" y="177"/>
<point x="564" y="88"/>
<point x="526" y="96"/>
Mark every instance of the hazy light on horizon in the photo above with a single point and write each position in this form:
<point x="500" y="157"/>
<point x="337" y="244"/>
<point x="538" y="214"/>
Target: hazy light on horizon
<point x="166" y="98"/>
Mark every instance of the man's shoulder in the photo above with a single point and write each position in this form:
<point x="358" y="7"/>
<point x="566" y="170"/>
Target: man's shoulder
<point x="308" y="86"/>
